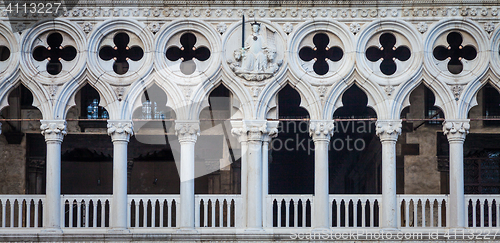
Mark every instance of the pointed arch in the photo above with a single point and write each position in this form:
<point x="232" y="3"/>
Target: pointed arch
<point x="443" y="95"/>
<point x="199" y="99"/>
<point x="175" y="98"/>
<point x="468" y="98"/>
<point x="310" y="99"/>
<point x="376" y="100"/>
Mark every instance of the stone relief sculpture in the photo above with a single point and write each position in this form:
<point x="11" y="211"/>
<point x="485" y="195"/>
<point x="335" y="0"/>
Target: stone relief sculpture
<point x="255" y="61"/>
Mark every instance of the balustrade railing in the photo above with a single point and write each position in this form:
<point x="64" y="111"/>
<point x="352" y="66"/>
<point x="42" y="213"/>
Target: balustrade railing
<point x="482" y="211"/>
<point x="84" y="211"/>
<point x="22" y="211"/>
<point x="153" y="211"/>
<point x="217" y="210"/>
<point x="351" y="210"/>
<point x="422" y="211"/>
<point x="289" y="210"/>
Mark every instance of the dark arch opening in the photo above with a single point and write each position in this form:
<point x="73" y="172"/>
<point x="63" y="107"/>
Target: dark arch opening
<point x="291" y="155"/>
<point x="355" y="151"/>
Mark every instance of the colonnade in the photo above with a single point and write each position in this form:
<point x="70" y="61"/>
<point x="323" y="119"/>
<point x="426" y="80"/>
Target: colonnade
<point x="254" y="136"/>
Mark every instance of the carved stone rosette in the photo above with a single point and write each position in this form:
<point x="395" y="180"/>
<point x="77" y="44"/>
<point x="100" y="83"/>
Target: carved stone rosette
<point x="388" y="130"/>
<point x="120" y="130"/>
<point x="53" y="130"/>
<point x="321" y="130"/>
<point x="187" y="131"/>
<point x="456" y="129"/>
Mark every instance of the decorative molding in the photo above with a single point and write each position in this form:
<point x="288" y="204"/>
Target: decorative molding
<point x="321" y="129"/>
<point x="457" y="90"/>
<point x="53" y="130"/>
<point x="87" y="27"/>
<point x="422" y="27"/>
<point x="221" y="28"/>
<point x="120" y="130"/>
<point x="456" y="130"/>
<point x="388" y="130"/>
<point x="355" y="28"/>
<point x="389" y="89"/>
<point x="489" y="27"/>
<point x="187" y="131"/>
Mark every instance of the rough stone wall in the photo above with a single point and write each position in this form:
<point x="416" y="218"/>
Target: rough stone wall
<point x="12" y="167"/>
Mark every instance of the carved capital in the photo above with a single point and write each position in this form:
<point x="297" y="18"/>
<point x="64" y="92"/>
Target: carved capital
<point x="388" y="130"/>
<point x="254" y="130"/>
<point x="456" y="130"/>
<point x="53" y="130"/>
<point x="187" y="131"/>
<point x="120" y="130"/>
<point x="321" y="129"/>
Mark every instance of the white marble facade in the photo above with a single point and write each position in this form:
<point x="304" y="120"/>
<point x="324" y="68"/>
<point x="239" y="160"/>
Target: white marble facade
<point x="255" y="68"/>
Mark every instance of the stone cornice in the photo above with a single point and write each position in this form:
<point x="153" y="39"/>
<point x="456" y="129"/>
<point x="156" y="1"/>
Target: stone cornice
<point x="163" y="3"/>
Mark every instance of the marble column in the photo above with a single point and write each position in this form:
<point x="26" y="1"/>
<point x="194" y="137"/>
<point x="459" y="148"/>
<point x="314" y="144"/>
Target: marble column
<point x="187" y="133"/>
<point x="456" y="130"/>
<point x="54" y="131"/>
<point x="272" y="132"/>
<point x="388" y="132"/>
<point x="321" y="133"/>
<point x="120" y="132"/>
<point x="239" y="131"/>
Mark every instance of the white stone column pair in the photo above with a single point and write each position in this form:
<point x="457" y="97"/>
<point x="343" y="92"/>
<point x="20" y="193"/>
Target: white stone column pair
<point x="254" y="135"/>
<point x="456" y="130"/>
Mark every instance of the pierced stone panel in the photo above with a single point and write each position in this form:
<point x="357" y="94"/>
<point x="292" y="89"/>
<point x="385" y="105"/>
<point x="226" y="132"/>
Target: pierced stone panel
<point x="388" y="53"/>
<point x="321" y="53"/>
<point x="455" y="52"/>
<point x="55" y="54"/>
<point x="187" y="53"/>
<point x="5" y="54"/>
<point x="121" y="52"/>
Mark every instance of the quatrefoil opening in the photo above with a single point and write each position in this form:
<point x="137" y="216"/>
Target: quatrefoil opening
<point x="388" y="53"/>
<point x="121" y="53"/>
<point x="321" y="53"/>
<point x="187" y="53"/>
<point x="54" y="53"/>
<point x="454" y="52"/>
<point x="4" y="53"/>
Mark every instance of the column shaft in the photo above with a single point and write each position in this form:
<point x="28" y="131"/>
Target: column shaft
<point x="321" y="194"/>
<point x="119" y="203"/>
<point x="389" y="199"/>
<point x="254" y="199"/>
<point x="52" y="214"/>
<point x="457" y="197"/>
<point x="187" y="203"/>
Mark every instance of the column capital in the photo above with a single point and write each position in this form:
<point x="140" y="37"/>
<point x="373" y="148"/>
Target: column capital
<point x="456" y="130"/>
<point x="388" y="130"/>
<point x="321" y="129"/>
<point x="120" y="130"/>
<point x="254" y="130"/>
<point x="53" y="130"/>
<point x="187" y="130"/>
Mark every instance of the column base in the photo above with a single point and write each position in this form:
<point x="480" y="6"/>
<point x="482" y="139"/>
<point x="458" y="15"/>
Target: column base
<point x="187" y="231"/>
<point x="319" y="230"/>
<point x="390" y="230"/>
<point x="254" y="230"/>
<point x="119" y="231"/>
<point x="52" y="231"/>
